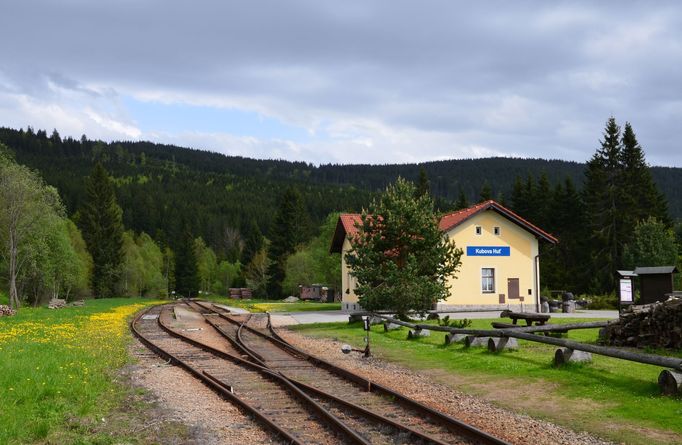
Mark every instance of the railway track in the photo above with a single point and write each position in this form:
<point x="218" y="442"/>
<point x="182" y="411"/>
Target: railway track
<point x="271" y="399"/>
<point x="377" y="413"/>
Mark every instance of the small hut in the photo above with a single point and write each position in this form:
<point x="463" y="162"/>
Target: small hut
<point x="655" y="283"/>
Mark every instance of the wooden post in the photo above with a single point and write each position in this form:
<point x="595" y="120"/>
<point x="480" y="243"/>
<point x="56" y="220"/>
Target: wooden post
<point x="418" y="333"/>
<point x="566" y="355"/>
<point x="502" y="343"/>
<point x="454" y="338"/>
<point x="472" y="340"/>
<point x="391" y="326"/>
<point x="670" y="382"/>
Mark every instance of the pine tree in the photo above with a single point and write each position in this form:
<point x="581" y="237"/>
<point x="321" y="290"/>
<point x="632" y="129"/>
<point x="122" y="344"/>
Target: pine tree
<point x="186" y="274"/>
<point x="641" y="196"/>
<point x="486" y="192"/>
<point x="462" y="201"/>
<point x="542" y="202"/>
<point x="253" y="241"/>
<point x="289" y="230"/>
<point x="101" y="223"/>
<point x="400" y="258"/>
<point x="603" y="195"/>
<point x="423" y="186"/>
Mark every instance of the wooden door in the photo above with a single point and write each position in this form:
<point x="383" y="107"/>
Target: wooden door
<point x="513" y="288"/>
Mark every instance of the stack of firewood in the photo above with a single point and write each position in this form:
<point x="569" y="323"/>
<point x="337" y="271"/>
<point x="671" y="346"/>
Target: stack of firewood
<point x="6" y="310"/>
<point x="657" y="325"/>
<point x="56" y="303"/>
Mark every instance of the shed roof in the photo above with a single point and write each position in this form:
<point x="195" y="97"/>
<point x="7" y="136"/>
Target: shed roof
<point x="655" y="270"/>
<point x="346" y="223"/>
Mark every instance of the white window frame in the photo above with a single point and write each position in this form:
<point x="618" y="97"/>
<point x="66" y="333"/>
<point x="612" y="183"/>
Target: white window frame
<point x="485" y="289"/>
<point x="497" y="230"/>
<point x="479" y="230"/>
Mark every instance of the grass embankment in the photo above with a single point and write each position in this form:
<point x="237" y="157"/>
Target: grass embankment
<point x="613" y="398"/>
<point x="58" y="370"/>
<point x="261" y="305"/>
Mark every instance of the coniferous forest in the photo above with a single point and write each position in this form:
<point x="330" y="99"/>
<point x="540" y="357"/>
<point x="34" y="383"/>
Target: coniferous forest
<point x="211" y="221"/>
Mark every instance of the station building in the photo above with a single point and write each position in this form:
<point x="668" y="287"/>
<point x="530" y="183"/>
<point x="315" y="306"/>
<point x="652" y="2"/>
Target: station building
<point x="500" y="266"/>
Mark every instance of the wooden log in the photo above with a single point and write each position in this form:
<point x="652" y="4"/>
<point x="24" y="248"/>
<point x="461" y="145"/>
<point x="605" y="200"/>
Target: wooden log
<point x="502" y="343"/>
<point x="354" y="318"/>
<point x="454" y="338"/>
<point x="523" y="333"/>
<point x="471" y="341"/>
<point x="670" y="382"/>
<point x="568" y="355"/>
<point x="418" y="333"/>
<point x="376" y="320"/>
<point x="391" y="326"/>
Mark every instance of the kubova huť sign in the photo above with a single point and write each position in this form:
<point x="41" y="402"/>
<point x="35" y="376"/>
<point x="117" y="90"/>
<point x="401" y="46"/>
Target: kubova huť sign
<point x="487" y="250"/>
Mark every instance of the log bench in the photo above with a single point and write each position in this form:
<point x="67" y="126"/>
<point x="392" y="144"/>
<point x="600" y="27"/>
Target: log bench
<point x="500" y="325"/>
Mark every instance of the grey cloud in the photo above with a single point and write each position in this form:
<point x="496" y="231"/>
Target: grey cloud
<point x="525" y="78"/>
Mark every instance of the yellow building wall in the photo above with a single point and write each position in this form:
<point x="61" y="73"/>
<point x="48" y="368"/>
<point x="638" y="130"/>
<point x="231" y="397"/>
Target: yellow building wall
<point x="348" y="283"/>
<point x="466" y="288"/>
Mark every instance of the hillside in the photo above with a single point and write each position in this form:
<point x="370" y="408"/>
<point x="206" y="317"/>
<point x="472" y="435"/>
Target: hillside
<point x="161" y="186"/>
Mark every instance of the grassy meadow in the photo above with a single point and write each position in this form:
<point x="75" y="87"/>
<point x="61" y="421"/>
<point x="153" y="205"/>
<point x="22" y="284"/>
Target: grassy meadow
<point x="262" y="305"/>
<point x="612" y="398"/>
<point x="58" y="373"/>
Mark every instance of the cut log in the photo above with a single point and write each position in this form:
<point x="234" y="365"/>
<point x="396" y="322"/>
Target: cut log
<point x="568" y="355"/>
<point x="354" y="318"/>
<point x="454" y="338"/>
<point x="502" y="343"/>
<point x="670" y="382"/>
<point x="472" y="341"/>
<point x="376" y="320"/>
<point x="391" y="327"/>
<point x="418" y="333"/>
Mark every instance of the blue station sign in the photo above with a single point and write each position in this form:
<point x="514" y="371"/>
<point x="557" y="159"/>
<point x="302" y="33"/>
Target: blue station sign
<point x="488" y="251"/>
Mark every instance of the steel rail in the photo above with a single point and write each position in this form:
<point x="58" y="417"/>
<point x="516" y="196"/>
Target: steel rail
<point x="211" y="382"/>
<point x="334" y="422"/>
<point x="330" y="397"/>
<point x="451" y="423"/>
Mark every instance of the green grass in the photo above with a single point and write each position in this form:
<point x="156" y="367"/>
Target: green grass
<point x="589" y="397"/>
<point x="262" y="305"/>
<point x="57" y="372"/>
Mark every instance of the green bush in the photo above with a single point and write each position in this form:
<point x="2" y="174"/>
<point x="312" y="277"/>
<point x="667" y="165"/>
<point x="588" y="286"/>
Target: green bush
<point x="609" y="301"/>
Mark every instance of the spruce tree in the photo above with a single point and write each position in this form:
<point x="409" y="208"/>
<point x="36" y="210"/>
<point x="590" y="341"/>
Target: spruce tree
<point x="462" y="201"/>
<point x="486" y="193"/>
<point x="400" y="257"/>
<point x="102" y="227"/>
<point x="253" y="240"/>
<point x="186" y="274"/>
<point x="641" y="196"/>
<point x="289" y="230"/>
<point x="423" y="187"/>
<point x="603" y="196"/>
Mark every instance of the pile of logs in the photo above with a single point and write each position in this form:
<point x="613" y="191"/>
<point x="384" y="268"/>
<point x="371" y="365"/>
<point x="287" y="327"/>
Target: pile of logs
<point x="56" y="303"/>
<point x="6" y="311"/>
<point x="657" y="325"/>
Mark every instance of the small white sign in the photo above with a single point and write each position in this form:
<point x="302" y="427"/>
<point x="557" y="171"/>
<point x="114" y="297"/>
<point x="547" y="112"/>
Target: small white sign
<point x="626" y="291"/>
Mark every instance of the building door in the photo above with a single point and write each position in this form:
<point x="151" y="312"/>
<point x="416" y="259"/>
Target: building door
<point x="513" y="288"/>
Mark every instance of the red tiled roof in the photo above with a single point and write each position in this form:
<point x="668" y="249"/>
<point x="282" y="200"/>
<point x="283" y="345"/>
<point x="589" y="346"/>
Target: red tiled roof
<point x="349" y="220"/>
<point x="452" y="220"/>
<point x="447" y="222"/>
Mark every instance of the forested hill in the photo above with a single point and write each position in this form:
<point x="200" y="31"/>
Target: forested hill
<point x="161" y="186"/>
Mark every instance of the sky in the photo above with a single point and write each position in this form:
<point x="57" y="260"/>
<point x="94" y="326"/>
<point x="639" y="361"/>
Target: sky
<point x="353" y="81"/>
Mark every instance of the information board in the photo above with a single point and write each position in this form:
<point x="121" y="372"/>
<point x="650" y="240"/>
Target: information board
<point x="626" y="290"/>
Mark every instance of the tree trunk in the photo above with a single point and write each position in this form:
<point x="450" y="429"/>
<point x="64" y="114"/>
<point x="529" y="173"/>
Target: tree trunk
<point x="13" y="295"/>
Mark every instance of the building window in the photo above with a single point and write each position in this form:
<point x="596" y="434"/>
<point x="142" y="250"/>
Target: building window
<point x="478" y="230"/>
<point x="487" y="280"/>
<point x="496" y="231"/>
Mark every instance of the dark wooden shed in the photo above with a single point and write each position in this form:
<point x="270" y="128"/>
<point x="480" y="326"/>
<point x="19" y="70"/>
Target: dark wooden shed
<point x="654" y="283"/>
